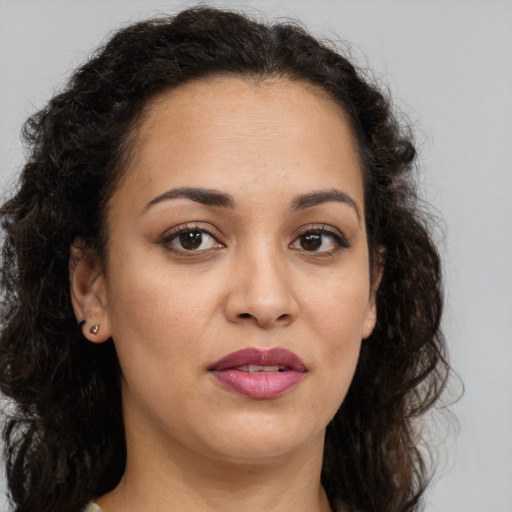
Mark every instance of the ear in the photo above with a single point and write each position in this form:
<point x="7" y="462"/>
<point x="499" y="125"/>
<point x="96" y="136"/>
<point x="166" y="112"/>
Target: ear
<point x="88" y="293"/>
<point x="371" y="311"/>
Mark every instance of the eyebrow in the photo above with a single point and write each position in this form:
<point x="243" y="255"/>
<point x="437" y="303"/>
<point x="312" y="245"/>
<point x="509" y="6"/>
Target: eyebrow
<point x="199" y="195"/>
<point x="324" y="196"/>
<point x="210" y="197"/>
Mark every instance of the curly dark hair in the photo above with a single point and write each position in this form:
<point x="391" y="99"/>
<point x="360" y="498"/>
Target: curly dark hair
<point x="64" y="439"/>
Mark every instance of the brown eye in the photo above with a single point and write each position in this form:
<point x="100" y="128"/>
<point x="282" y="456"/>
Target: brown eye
<point x="191" y="240"/>
<point x="320" y="241"/>
<point x="186" y="239"/>
<point x="311" y="242"/>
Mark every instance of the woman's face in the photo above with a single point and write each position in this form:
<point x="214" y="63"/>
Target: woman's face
<point x="237" y="282"/>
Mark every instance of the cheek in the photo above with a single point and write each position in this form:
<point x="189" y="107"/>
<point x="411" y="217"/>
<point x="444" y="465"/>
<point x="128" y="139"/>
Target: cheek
<point x="339" y="309"/>
<point x="341" y="333"/>
<point x="155" y="328"/>
<point x="338" y="317"/>
<point x="154" y="316"/>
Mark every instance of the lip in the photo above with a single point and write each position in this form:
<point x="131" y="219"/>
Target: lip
<point x="258" y="383"/>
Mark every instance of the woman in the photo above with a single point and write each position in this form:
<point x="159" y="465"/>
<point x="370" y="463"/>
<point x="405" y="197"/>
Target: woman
<point x="218" y="291"/>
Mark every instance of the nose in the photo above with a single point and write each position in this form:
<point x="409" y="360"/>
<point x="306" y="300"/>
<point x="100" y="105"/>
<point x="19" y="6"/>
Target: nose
<point x="261" y="292"/>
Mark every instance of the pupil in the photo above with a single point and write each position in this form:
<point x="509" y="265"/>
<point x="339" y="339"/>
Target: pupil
<point x="311" y="242"/>
<point x="191" y="239"/>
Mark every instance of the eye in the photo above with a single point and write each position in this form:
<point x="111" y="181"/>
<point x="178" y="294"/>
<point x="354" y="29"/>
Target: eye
<point x="190" y="239"/>
<point x="325" y="241"/>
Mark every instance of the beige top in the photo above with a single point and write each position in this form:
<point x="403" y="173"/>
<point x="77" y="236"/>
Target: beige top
<point x="92" y="507"/>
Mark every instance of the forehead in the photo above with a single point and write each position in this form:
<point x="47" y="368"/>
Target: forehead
<point x="289" y="133"/>
<point x="273" y="102"/>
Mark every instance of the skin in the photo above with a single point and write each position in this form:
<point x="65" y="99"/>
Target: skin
<point x="256" y="282"/>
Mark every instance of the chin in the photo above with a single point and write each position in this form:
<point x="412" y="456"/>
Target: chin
<point x="259" y="440"/>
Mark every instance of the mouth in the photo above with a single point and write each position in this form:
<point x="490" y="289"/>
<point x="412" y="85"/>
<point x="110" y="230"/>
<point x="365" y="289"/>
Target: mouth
<point x="259" y="374"/>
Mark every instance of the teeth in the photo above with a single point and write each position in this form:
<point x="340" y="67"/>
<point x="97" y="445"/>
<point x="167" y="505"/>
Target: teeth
<point x="256" y="368"/>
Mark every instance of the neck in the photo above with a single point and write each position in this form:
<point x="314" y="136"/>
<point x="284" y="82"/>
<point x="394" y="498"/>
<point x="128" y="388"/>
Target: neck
<point x="175" y="478"/>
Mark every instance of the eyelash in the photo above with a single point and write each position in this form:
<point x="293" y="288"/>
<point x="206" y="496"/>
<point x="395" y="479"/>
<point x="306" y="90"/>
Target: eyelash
<point x="323" y="230"/>
<point x="172" y="235"/>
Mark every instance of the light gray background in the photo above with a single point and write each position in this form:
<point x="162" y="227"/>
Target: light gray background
<point x="449" y="66"/>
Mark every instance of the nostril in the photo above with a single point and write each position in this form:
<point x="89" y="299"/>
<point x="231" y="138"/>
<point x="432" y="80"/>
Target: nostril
<point x="245" y="315"/>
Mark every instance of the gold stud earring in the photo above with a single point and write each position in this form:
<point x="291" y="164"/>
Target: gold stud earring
<point x="94" y="329"/>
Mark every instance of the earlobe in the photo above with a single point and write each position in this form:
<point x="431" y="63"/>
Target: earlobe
<point x="88" y="293"/>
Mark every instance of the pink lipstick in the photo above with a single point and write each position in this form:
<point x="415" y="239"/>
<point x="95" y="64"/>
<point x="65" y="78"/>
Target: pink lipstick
<point x="259" y="373"/>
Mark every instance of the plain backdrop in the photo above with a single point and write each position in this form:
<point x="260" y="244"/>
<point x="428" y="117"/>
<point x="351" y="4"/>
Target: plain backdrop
<point x="448" y="65"/>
